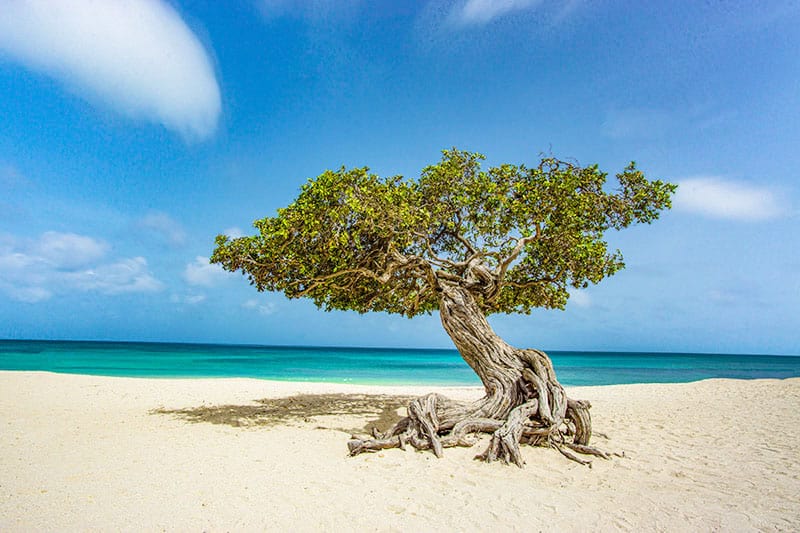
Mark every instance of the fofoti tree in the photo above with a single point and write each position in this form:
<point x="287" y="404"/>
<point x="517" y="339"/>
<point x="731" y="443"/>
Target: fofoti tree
<point x="466" y="242"/>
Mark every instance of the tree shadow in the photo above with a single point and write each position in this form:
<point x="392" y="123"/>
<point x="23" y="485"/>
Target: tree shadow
<point x="381" y="410"/>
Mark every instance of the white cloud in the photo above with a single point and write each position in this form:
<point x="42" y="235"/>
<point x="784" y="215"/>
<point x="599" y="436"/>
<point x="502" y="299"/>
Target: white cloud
<point x="448" y="25"/>
<point x="265" y="308"/>
<point x="165" y="227"/>
<point x="719" y="198"/>
<point x="68" y="250"/>
<point x="35" y="270"/>
<point x="136" y="56"/>
<point x="126" y="275"/>
<point x="479" y="12"/>
<point x="201" y="272"/>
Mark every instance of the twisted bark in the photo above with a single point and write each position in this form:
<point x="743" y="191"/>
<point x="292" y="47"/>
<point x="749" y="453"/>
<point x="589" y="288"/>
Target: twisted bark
<point x="524" y="402"/>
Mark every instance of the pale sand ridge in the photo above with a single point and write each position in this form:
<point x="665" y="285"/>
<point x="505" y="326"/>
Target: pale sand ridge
<point x="87" y="453"/>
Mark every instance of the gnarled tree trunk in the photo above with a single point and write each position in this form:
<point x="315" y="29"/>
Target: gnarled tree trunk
<point x="524" y="402"/>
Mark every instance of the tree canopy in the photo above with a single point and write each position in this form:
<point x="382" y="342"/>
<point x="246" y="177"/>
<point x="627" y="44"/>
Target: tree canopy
<point x="516" y="237"/>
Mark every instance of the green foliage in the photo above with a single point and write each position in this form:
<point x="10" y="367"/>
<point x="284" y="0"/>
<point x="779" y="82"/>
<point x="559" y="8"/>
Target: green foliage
<point x="516" y="237"/>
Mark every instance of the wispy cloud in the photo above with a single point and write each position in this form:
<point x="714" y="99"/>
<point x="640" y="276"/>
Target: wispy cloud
<point x="193" y="299"/>
<point x="638" y="123"/>
<point x="135" y="56"/>
<point x="201" y="272"/>
<point x="656" y="123"/>
<point x="11" y="177"/>
<point x="34" y="270"/>
<point x="716" y="197"/>
<point x="567" y="8"/>
<point x="30" y="295"/>
<point x="190" y="298"/>
<point x="12" y="183"/>
<point x="480" y="12"/>
<point x="580" y="298"/>
<point x="311" y="10"/>
<point x="163" y="226"/>
<point x="448" y="25"/>
<point x="265" y="308"/>
<point x="234" y="232"/>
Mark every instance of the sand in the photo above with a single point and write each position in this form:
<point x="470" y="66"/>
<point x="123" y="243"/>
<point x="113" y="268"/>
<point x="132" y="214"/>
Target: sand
<point x="89" y="453"/>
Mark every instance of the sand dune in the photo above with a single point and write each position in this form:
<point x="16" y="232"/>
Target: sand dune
<point x="89" y="453"/>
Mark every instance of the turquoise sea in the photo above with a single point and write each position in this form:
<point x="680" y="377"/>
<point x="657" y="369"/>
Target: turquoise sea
<point x="369" y="365"/>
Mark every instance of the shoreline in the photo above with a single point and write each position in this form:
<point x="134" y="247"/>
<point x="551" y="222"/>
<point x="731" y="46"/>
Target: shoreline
<point x="85" y="452"/>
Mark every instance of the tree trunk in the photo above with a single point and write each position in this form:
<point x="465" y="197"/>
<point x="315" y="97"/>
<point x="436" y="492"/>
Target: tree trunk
<point x="524" y="403"/>
<point x="497" y="364"/>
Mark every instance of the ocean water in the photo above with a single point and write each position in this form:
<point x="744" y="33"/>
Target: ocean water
<point x="382" y="366"/>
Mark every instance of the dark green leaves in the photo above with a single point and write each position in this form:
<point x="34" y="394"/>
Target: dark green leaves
<point x="516" y="236"/>
<point x="343" y="243"/>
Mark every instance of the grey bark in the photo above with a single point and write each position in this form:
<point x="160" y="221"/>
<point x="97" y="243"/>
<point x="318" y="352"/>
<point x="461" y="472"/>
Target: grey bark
<point x="524" y="402"/>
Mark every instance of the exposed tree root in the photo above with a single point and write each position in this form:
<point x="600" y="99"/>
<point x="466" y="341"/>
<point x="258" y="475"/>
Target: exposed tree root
<point x="544" y="417"/>
<point x="524" y="402"/>
<point x="505" y="440"/>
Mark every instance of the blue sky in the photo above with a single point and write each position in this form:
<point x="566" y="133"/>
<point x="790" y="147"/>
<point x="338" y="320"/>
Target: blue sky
<point x="132" y="133"/>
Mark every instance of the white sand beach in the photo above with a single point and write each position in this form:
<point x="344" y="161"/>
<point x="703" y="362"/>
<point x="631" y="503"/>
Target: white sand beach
<point x="82" y="453"/>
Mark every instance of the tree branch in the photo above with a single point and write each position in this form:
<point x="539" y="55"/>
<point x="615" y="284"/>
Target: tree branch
<point x="438" y="261"/>
<point x="503" y="265"/>
<point x="399" y="261"/>
<point x="528" y="284"/>
<point x="468" y="245"/>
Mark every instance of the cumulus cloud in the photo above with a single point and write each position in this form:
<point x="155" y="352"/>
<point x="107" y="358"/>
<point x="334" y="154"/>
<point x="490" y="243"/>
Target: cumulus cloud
<point x="719" y="198"/>
<point x="35" y="270"/>
<point x="136" y="56"/>
<point x="67" y="250"/>
<point x="201" y="272"/>
<point x="126" y="275"/>
<point x="164" y="227"/>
